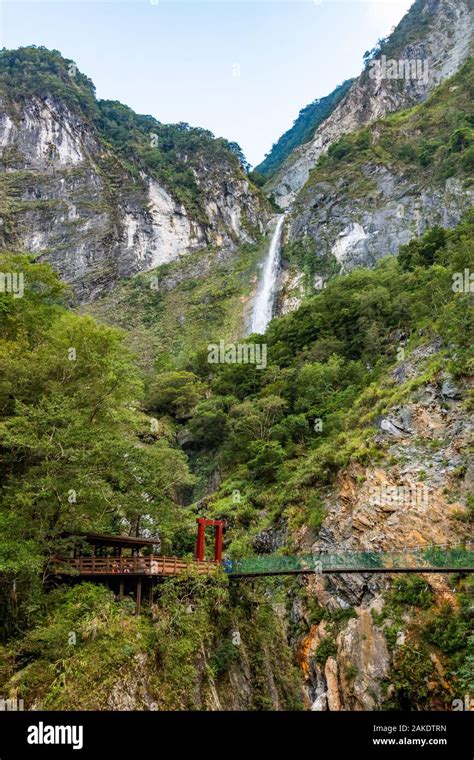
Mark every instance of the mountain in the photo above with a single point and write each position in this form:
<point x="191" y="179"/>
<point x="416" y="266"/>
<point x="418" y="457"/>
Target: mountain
<point x="437" y="34"/>
<point x="103" y="193"/>
<point x="380" y="359"/>
<point x="379" y="187"/>
<point x="352" y="436"/>
<point x="303" y="129"/>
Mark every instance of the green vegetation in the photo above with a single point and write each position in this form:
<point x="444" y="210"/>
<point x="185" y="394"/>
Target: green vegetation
<point x="135" y="143"/>
<point x="327" y="648"/>
<point x="428" y="143"/>
<point x="77" y="454"/>
<point x="187" y="303"/>
<point x="302" y="131"/>
<point x="87" y="651"/>
<point x="73" y="427"/>
<point x="411" y="591"/>
<point x="437" y="648"/>
<point x="329" y="361"/>
<point x="302" y="256"/>
<point x="321" y="366"/>
<point x="70" y="428"/>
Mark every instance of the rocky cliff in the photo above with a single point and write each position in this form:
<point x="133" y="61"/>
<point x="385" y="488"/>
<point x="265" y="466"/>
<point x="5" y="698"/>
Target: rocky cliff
<point x="381" y="186"/>
<point x="102" y="193"/>
<point x="414" y="496"/>
<point x="435" y="36"/>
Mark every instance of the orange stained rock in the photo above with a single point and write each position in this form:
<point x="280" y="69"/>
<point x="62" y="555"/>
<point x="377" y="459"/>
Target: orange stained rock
<point x="304" y="649"/>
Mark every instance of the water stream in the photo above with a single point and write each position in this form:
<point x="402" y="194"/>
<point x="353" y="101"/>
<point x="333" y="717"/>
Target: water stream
<point x="266" y="290"/>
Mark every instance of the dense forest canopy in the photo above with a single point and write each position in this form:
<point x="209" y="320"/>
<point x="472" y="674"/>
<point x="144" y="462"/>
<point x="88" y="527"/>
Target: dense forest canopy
<point x="78" y="450"/>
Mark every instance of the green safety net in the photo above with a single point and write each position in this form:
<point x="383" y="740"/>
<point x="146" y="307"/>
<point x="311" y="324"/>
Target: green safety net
<point x="434" y="556"/>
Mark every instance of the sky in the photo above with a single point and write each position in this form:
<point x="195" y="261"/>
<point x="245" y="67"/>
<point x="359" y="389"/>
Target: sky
<point x="241" y="68"/>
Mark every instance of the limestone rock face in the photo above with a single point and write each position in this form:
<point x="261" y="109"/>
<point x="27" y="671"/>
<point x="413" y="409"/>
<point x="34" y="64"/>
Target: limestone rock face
<point x="70" y="200"/>
<point x="404" y="501"/>
<point x="363" y="663"/>
<point x="358" y="232"/>
<point x="443" y="39"/>
<point x="331" y="675"/>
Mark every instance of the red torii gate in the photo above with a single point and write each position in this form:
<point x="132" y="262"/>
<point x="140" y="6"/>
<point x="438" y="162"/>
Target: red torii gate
<point x="218" y="530"/>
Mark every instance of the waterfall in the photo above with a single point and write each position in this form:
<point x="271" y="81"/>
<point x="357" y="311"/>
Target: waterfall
<point x="266" y="291"/>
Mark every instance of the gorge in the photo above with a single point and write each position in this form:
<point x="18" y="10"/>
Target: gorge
<point x="139" y="245"/>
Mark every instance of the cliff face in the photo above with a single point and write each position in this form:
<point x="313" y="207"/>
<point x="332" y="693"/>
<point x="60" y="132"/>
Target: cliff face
<point x="438" y="34"/>
<point x="413" y="497"/>
<point x="379" y="187"/>
<point x="94" y="209"/>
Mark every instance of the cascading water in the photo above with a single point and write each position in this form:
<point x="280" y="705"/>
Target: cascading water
<point x="265" y="298"/>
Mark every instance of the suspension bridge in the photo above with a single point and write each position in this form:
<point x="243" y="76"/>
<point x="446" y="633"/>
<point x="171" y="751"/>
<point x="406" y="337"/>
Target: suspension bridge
<point x="432" y="559"/>
<point x="121" y="560"/>
<point x="108" y="558"/>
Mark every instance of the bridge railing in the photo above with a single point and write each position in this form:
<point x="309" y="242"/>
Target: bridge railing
<point x="148" y="565"/>
<point x="433" y="556"/>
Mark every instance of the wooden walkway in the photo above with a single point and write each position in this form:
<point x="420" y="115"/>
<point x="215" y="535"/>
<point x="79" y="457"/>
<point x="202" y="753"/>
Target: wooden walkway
<point x="150" y="566"/>
<point x="432" y="559"/>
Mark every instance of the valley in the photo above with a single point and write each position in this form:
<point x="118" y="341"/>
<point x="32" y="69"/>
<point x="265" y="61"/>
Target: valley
<point x="147" y="251"/>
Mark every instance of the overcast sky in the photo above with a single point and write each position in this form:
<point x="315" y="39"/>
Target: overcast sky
<point x="241" y="69"/>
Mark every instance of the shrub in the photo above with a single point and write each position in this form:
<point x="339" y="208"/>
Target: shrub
<point x="267" y="457"/>
<point x="412" y="591"/>
<point x="327" y="648"/>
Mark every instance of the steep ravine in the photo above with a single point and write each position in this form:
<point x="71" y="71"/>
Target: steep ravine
<point x="324" y="643"/>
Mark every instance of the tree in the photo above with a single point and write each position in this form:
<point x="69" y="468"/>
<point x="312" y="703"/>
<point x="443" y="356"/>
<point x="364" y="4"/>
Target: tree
<point x="208" y="424"/>
<point x="69" y="420"/>
<point x="176" y="393"/>
<point x="420" y="252"/>
<point x="266" y="458"/>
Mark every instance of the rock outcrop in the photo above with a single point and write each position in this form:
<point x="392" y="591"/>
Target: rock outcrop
<point x="71" y="198"/>
<point x="435" y="32"/>
<point x="412" y="498"/>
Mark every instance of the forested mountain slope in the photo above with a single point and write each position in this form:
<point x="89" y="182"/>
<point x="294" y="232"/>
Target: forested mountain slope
<point x="102" y="192"/>
<point x="436" y="33"/>
<point x="380" y="360"/>
<point x="303" y="129"/>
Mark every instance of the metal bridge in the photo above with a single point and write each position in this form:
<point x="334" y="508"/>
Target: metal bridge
<point x="109" y="562"/>
<point x="432" y="559"/>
